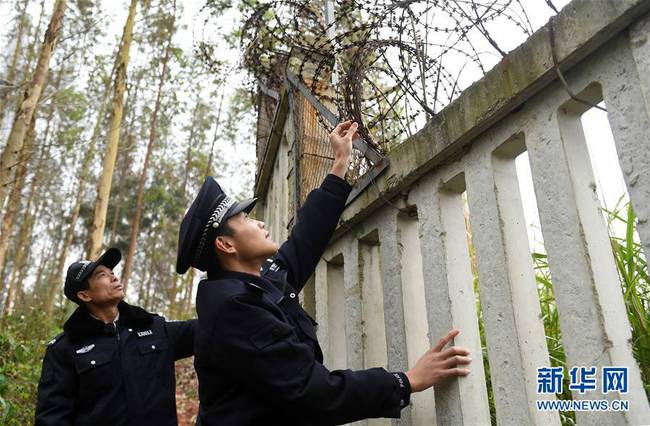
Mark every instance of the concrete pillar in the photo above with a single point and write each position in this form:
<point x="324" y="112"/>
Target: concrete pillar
<point x="283" y="188"/>
<point x="273" y="205"/>
<point x="390" y="280"/>
<point x="393" y="308"/>
<point x="568" y="215"/>
<point x="307" y="296"/>
<point x="423" y="410"/>
<point x="626" y="91"/>
<point x="330" y="312"/>
<point x="626" y="96"/>
<point x="353" y="309"/>
<point x="321" y="285"/>
<point x="639" y="36"/>
<point x="353" y="312"/>
<point x="449" y="295"/>
<point x="511" y="313"/>
<point x="336" y="319"/>
<point x="372" y="305"/>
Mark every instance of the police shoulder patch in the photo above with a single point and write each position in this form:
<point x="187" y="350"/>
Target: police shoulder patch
<point x="56" y="339"/>
<point x="270" y="265"/>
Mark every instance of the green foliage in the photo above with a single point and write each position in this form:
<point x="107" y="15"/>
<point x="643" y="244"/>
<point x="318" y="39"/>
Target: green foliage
<point x="633" y="273"/>
<point x="22" y="345"/>
<point x="484" y="351"/>
<point x="552" y="328"/>
<point x="635" y="284"/>
<point x="72" y="106"/>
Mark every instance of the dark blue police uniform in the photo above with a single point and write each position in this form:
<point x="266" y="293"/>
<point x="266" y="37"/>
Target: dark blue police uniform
<point x="257" y="356"/>
<point x="113" y="374"/>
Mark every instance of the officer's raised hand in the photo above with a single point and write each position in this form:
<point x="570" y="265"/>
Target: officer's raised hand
<point x="341" y="140"/>
<point x="438" y="364"/>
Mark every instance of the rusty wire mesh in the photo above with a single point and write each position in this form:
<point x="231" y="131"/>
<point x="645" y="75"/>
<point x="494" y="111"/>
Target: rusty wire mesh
<point x="315" y="156"/>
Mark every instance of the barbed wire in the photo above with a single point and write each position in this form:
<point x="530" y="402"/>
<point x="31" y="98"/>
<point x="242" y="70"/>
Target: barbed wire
<point x="389" y="65"/>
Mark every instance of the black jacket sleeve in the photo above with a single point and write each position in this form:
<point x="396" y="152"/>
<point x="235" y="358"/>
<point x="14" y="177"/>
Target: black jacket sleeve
<point x="181" y="337"/>
<point x="57" y="389"/>
<point x="265" y="355"/>
<point x="315" y="224"/>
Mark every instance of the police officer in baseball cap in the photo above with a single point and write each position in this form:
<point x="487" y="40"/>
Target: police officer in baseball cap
<point x="257" y="357"/>
<point x="114" y="362"/>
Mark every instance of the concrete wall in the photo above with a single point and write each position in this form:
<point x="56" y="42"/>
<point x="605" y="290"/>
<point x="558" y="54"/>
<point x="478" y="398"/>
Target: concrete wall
<point x="396" y="279"/>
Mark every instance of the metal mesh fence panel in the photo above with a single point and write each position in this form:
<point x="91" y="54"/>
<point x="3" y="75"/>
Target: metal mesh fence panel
<point x="315" y="155"/>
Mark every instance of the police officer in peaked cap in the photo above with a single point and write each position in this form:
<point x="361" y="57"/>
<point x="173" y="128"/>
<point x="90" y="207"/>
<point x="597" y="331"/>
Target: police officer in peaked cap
<point x="257" y="356"/>
<point x="114" y="363"/>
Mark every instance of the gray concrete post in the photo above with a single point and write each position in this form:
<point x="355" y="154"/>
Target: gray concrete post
<point x="511" y="313"/>
<point x="391" y="271"/>
<point x="322" y="309"/>
<point x="581" y="315"/>
<point x="353" y="312"/>
<point x="449" y="297"/>
<point x="627" y="93"/>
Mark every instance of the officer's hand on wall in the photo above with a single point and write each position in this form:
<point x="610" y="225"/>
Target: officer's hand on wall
<point x="341" y="140"/>
<point x="438" y="364"/>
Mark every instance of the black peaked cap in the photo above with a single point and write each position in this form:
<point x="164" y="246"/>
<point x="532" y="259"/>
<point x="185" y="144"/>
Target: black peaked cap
<point x="195" y="225"/>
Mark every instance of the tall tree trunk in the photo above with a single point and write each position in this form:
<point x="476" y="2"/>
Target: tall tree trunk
<point x="208" y="167"/>
<point x="113" y="138"/>
<point x="180" y="311"/>
<point x="186" y="178"/>
<point x="135" y="227"/>
<point x="52" y="283"/>
<point x="118" y="197"/>
<point x="145" y="277"/>
<point x="124" y="158"/>
<point x="24" y="234"/>
<point x="12" y="210"/>
<point x="22" y="265"/>
<point x="31" y="51"/>
<point x="15" y="141"/>
<point x="189" y="292"/>
<point x="41" y="267"/>
<point x="152" y="266"/>
<point x="10" y="78"/>
<point x="44" y="277"/>
<point x="188" y="153"/>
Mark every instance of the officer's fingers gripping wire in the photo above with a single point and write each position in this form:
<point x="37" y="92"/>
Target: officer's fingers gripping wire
<point x="341" y="139"/>
<point x="343" y="125"/>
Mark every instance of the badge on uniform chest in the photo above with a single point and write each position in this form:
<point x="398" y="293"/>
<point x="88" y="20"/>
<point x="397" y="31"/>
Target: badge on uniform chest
<point x="145" y="333"/>
<point x="85" y="349"/>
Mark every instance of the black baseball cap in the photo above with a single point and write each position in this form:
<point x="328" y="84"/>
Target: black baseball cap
<point x="76" y="279"/>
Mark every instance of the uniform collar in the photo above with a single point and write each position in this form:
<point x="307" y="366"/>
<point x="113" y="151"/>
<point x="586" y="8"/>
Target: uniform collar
<point x="117" y="317"/>
<point x="254" y="280"/>
<point x="244" y="276"/>
<point x="81" y="325"/>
